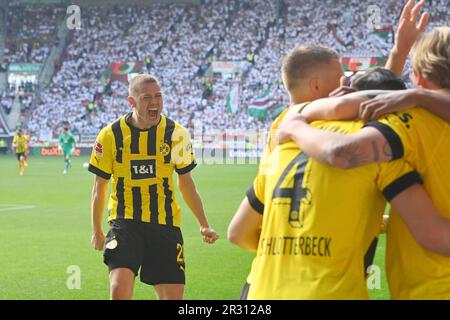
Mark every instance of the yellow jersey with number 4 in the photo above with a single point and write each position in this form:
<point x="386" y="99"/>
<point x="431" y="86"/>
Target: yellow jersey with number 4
<point x="318" y="222"/>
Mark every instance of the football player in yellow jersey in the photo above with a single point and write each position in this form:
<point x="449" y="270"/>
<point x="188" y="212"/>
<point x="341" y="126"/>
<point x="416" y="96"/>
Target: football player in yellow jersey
<point x="315" y="72"/>
<point x="26" y="134"/>
<point x="20" y="146"/>
<point x="423" y="140"/>
<point x="140" y="152"/>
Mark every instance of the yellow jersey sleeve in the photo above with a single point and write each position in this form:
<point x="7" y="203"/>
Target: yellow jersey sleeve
<point x="272" y="136"/>
<point x="395" y="177"/>
<point x="182" y="151"/>
<point x="396" y="129"/>
<point x="255" y="194"/>
<point x="102" y="156"/>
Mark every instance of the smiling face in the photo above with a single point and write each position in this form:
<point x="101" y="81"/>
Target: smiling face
<point x="146" y="100"/>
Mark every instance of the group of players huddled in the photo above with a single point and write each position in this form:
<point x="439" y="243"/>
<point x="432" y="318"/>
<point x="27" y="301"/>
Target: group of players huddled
<point x="314" y="211"/>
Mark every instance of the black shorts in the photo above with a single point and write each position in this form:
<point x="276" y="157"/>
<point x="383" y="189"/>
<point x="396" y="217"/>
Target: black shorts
<point x="370" y="256"/>
<point x="20" y="154"/>
<point x="157" y="250"/>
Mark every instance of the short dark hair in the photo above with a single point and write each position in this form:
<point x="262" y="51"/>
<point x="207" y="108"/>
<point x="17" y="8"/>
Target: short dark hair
<point x="303" y="59"/>
<point x="378" y="79"/>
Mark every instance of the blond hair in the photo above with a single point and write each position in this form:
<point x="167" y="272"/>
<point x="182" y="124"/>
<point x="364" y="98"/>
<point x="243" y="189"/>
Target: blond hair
<point x="135" y="83"/>
<point x="431" y="56"/>
<point x="303" y="59"/>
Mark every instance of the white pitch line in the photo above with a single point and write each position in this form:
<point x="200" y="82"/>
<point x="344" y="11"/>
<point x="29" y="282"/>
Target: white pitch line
<point x="15" y="207"/>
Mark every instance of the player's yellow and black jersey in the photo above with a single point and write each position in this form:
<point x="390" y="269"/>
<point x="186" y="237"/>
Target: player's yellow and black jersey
<point x="319" y="222"/>
<point x="271" y="141"/>
<point x="27" y="142"/>
<point x="272" y="136"/>
<point x="423" y="140"/>
<point x="21" y="142"/>
<point x="141" y="163"/>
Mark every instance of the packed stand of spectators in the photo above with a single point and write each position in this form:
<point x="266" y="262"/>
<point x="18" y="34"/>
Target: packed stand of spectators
<point x="177" y="43"/>
<point x="182" y="59"/>
<point x="247" y="30"/>
<point x="313" y="22"/>
<point x="31" y="32"/>
<point x="107" y="35"/>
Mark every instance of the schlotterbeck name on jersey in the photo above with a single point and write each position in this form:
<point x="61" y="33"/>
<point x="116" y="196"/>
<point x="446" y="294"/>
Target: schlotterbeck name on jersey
<point x="294" y="246"/>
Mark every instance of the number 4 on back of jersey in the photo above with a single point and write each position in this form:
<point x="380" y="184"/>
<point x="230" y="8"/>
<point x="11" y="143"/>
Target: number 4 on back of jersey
<point x="297" y="193"/>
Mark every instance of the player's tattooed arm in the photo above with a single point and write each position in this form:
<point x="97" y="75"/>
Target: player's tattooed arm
<point x="350" y="155"/>
<point x="350" y="152"/>
<point x="336" y="149"/>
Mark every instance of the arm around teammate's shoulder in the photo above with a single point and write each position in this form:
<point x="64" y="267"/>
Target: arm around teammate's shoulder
<point x="339" y="150"/>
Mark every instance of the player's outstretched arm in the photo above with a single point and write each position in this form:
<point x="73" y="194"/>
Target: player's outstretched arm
<point x="407" y="33"/>
<point x="335" y="149"/>
<point x="99" y="193"/>
<point x="244" y="228"/>
<point x="436" y="101"/>
<point x="190" y="195"/>
<point x="428" y="227"/>
<point x="336" y="108"/>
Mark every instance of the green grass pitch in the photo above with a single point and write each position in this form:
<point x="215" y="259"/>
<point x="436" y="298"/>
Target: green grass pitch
<point x="45" y="229"/>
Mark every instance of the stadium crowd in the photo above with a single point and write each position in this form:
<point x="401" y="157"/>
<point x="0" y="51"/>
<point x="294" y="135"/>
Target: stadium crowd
<point x="178" y="43"/>
<point x="30" y="32"/>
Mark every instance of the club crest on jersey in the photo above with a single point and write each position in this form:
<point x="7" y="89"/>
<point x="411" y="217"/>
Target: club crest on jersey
<point x="98" y="148"/>
<point x="164" y="149"/>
